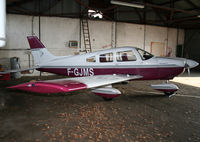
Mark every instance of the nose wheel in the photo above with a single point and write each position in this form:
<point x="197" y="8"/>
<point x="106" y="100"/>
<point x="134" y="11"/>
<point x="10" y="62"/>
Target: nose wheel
<point x="169" y="93"/>
<point x="107" y="99"/>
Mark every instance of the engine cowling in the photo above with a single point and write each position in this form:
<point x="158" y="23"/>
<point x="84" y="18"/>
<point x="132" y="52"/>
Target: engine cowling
<point x="107" y="92"/>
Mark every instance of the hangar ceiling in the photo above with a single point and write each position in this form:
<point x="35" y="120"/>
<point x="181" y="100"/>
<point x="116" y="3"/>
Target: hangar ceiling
<point x="171" y="13"/>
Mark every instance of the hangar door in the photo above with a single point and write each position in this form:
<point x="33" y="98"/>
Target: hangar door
<point x="158" y="48"/>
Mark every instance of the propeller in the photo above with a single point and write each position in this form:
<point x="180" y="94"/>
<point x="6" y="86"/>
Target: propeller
<point x="190" y="64"/>
<point x="187" y="67"/>
<point x="188" y="70"/>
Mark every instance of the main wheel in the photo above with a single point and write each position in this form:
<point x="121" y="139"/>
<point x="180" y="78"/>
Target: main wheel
<point x="107" y="99"/>
<point x="169" y="93"/>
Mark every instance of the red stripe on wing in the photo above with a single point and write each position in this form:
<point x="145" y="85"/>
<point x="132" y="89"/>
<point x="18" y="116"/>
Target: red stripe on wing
<point x="51" y="87"/>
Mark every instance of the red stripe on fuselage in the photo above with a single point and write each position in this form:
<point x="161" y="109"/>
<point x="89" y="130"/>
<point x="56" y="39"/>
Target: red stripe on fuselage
<point x="147" y="73"/>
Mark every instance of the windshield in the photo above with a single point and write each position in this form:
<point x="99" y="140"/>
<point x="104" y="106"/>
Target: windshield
<point x="144" y="54"/>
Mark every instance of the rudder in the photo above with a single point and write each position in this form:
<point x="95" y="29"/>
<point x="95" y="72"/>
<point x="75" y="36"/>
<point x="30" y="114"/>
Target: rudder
<point x="40" y="53"/>
<point x="34" y="42"/>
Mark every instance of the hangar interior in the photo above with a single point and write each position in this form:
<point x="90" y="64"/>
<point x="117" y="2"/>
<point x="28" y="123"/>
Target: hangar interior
<point x="160" y="27"/>
<point x="166" y="28"/>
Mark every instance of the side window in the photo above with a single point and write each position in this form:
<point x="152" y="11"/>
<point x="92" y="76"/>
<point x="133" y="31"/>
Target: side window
<point x="124" y="56"/>
<point x="107" y="57"/>
<point x="144" y="55"/>
<point x="91" y="59"/>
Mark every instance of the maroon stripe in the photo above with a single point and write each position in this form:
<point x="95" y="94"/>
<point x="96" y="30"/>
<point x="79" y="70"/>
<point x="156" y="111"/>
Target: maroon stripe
<point x="167" y="90"/>
<point x="34" y="42"/>
<point x="147" y="73"/>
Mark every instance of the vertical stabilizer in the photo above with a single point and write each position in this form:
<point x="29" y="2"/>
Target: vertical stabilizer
<point x="40" y="54"/>
<point x="34" y="42"/>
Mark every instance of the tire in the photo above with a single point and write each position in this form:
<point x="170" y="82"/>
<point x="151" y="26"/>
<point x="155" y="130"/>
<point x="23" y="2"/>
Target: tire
<point x="169" y="93"/>
<point x="107" y="99"/>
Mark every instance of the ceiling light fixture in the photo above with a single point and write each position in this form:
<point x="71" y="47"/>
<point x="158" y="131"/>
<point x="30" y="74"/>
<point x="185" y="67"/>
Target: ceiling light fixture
<point x="127" y="4"/>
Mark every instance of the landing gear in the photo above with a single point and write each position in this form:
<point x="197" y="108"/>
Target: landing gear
<point x="107" y="93"/>
<point x="168" y="88"/>
<point x="169" y="93"/>
<point x="107" y="99"/>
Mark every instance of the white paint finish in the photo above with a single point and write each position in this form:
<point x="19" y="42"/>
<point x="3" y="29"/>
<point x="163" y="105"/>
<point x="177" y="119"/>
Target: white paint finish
<point x="100" y="34"/>
<point x="2" y="23"/>
<point x="56" y="33"/>
<point x="35" y="25"/>
<point x="130" y="35"/>
<point x="165" y="86"/>
<point x="172" y="41"/>
<point x="155" y="34"/>
<point x="158" y="48"/>
<point x="72" y="63"/>
<point x="181" y="34"/>
<point x="103" y="80"/>
<point x="18" y="27"/>
<point x="13" y="53"/>
<point x="107" y="90"/>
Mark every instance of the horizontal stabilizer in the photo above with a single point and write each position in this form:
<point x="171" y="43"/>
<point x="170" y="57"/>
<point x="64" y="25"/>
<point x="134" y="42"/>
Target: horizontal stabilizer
<point x="17" y="70"/>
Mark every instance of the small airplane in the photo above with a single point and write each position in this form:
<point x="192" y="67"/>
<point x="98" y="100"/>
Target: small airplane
<point x="99" y="70"/>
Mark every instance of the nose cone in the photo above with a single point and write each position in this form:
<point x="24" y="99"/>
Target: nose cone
<point x="191" y="63"/>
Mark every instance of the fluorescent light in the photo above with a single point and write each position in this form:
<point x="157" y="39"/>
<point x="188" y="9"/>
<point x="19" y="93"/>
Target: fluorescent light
<point x="91" y="11"/>
<point x="198" y="16"/>
<point x="95" y="14"/>
<point x="126" y="4"/>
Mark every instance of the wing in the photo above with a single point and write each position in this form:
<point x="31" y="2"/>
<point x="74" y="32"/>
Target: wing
<point x="72" y="84"/>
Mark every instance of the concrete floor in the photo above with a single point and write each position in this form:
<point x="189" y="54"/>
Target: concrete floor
<point x="140" y="114"/>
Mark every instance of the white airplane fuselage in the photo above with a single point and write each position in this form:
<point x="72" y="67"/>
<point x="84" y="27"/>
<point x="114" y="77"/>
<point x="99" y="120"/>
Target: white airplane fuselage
<point x="151" y="68"/>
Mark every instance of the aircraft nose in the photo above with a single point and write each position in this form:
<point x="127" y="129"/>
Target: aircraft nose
<point x="191" y="63"/>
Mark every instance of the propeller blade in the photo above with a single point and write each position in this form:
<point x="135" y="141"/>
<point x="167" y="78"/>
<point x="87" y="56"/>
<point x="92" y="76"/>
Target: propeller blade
<point x="187" y="67"/>
<point x="188" y="70"/>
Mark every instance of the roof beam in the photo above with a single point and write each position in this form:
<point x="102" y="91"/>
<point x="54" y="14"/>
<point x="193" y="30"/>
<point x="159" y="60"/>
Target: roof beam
<point x="193" y="5"/>
<point x="167" y="8"/>
<point x="52" y="4"/>
<point x="88" y="7"/>
<point x="159" y="15"/>
<point x="185" y="19"/>
<point x="168" y="2"/>
<point x="19" y="2"/>
<point x="138" y="13"/>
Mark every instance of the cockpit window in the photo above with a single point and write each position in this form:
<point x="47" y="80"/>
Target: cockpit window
<point x="124" y="56"/>
<point x="107" y="57"/>
<point x="144" y="54"/>
<point x="91" y="59"/>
